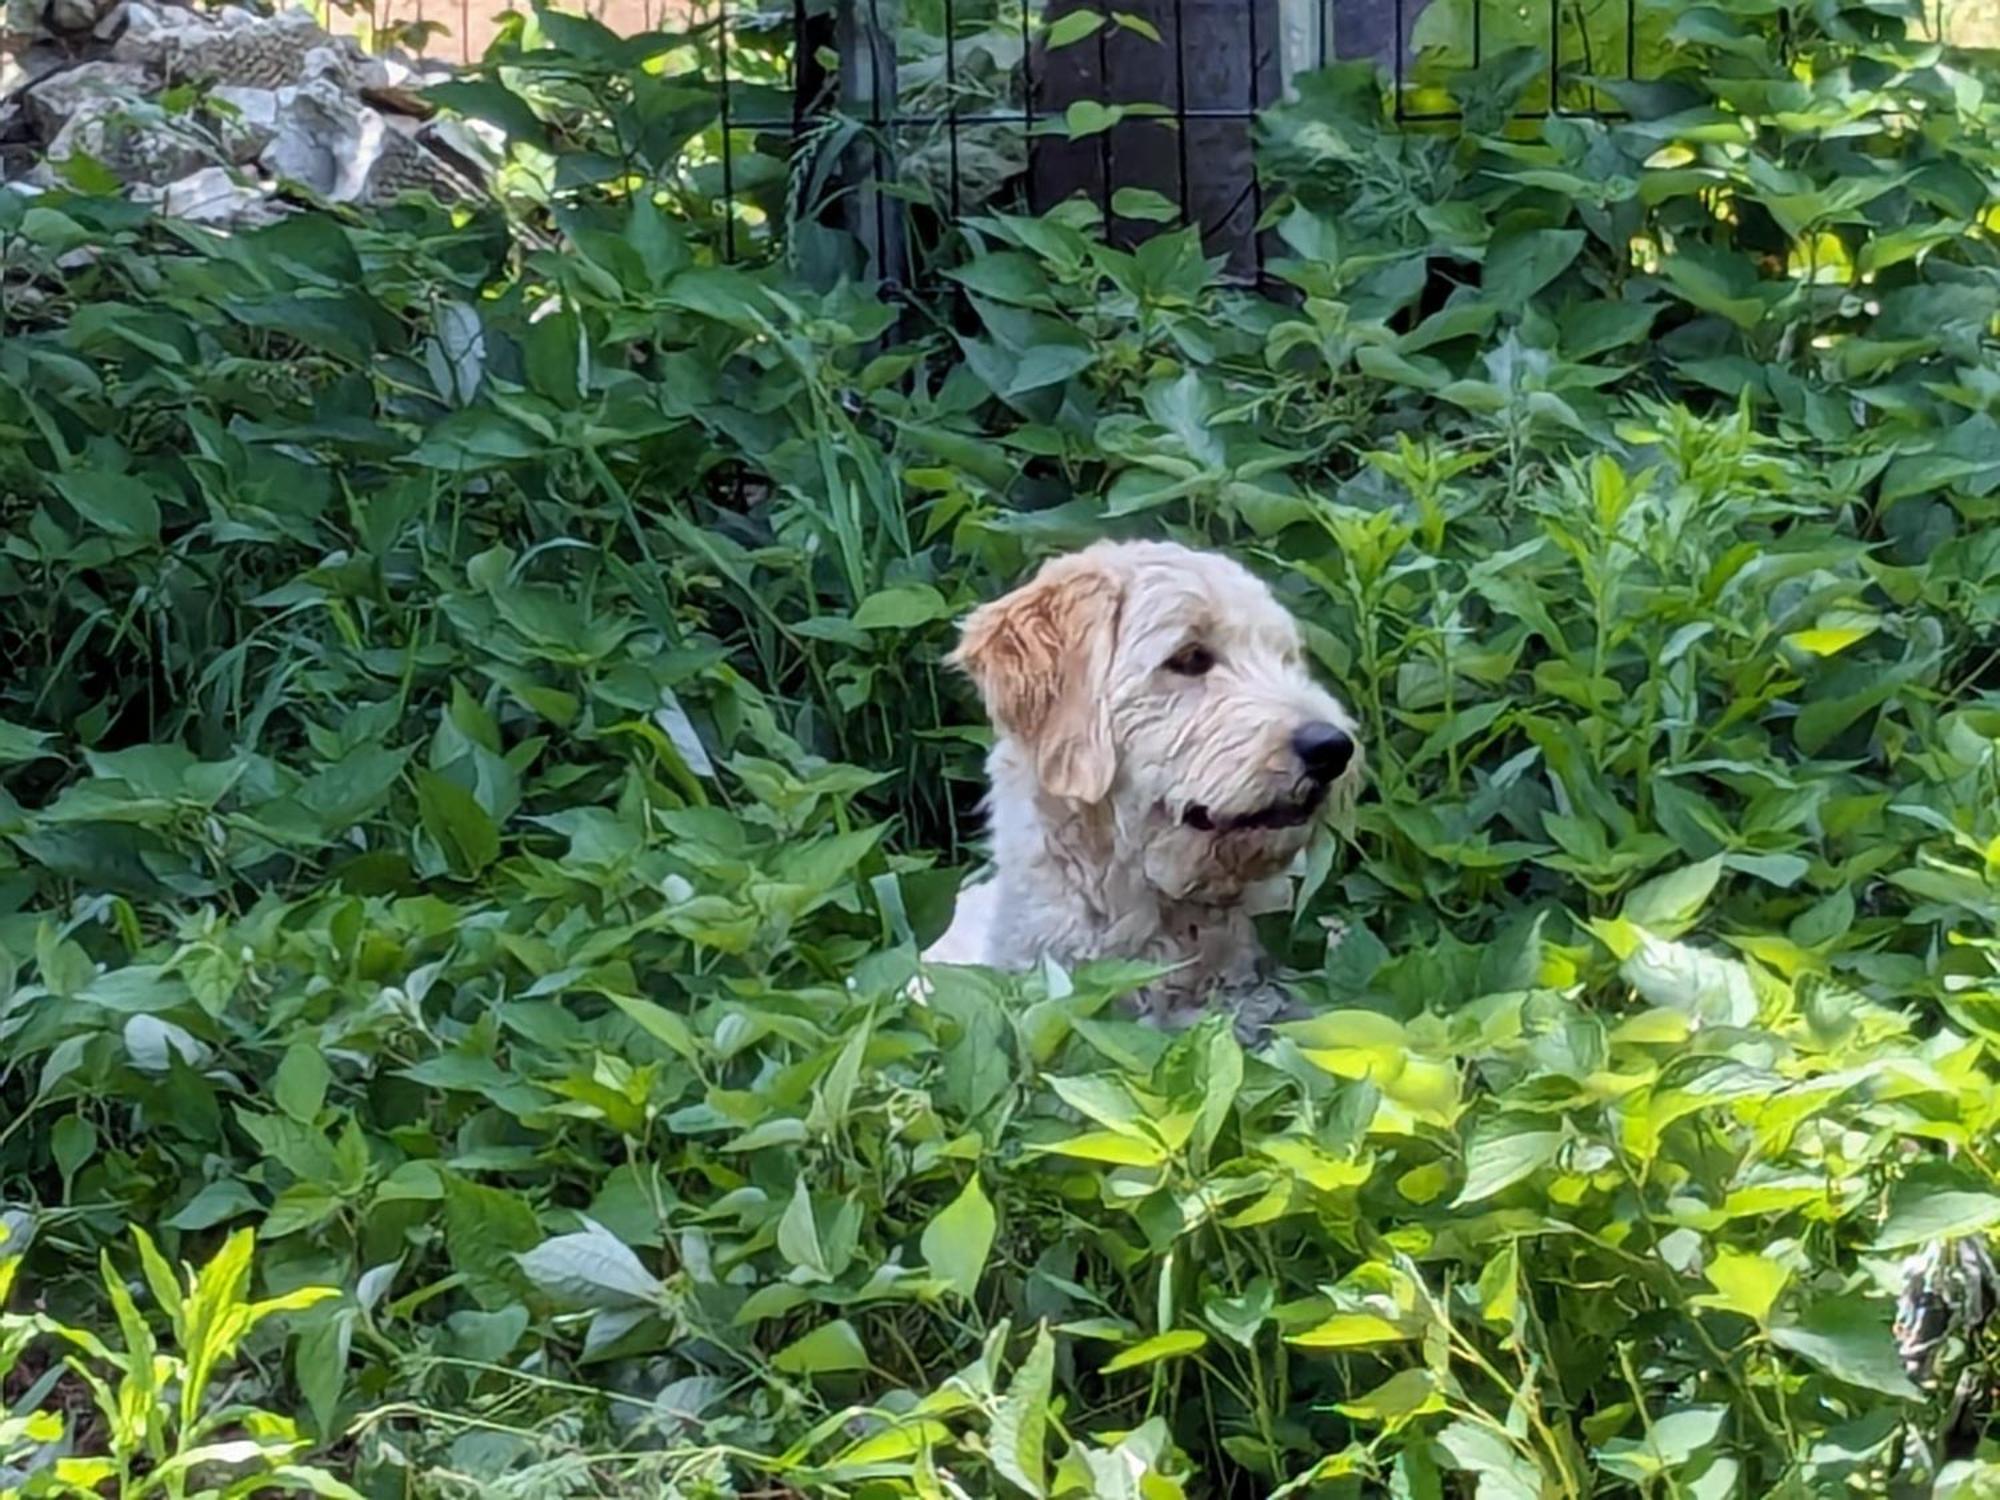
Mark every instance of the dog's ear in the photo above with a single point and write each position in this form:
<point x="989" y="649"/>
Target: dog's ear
<point x="1041" y="659"/>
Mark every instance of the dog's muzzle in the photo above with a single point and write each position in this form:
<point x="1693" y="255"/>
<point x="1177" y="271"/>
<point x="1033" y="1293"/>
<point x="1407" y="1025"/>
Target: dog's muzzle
<point x="1299" y="808"/>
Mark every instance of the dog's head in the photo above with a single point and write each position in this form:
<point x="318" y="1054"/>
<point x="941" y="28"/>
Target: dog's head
<point x="1171" y="686"/>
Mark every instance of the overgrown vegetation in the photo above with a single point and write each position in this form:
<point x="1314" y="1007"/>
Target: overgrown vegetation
<point x="476" y="772"/>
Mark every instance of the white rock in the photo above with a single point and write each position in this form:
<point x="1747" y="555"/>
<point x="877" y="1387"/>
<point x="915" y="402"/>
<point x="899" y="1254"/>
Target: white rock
<point x="248" y="121"/>
<point x="60" y="97"/>
<point x="213" y="196"/>
<point x="327" y="141"/>
<point x="71" y="16"/>
<point x="135" y="142"/>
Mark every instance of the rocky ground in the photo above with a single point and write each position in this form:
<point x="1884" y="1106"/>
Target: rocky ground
<point x="221" y="116"/>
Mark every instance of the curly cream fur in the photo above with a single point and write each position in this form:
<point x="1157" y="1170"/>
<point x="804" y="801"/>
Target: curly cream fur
<point x="1102" y="751"/>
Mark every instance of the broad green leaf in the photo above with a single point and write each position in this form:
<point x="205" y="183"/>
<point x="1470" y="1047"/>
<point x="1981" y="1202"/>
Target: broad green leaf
<point x="1745" y="1282"/>
<point x="1350" y="1330"/>
<point x="1520" y="264"/>
<point x="829" y="1349"/>
<point x="456" y="822"/>
<point x="20" y="744"/>
<point x="1073" y="27"/>
<point x="119" y="504"/>
<point x="1018" y="1436"/>
<point x="1144" y="204"/>
<point x="901" y="608"/>
<point x="1499" y="1288"/>
<point x="1240" y="1318"/>
<point x="1670" y="904"/>
<point x="591" y="1269"/>
<point x="1403" y="1396"/>
<point x="299" y="1087"/>
<point x="1503" y="1472"/>
<point x="1087" y="117"/>
<point x="1107" y="1146"/>
<point x="1504" y="1150"/>
<point x="1174" y="1344"/>
<point x="659" y="1023"/>
<point x="1920" y="1212"/>
<point x="1849" y="1338"/>
<point x="215" y="1204"/>
<point x="484" y="1229"/>
<point x="798" y="1234"/>
<point x="956" y="1242"/>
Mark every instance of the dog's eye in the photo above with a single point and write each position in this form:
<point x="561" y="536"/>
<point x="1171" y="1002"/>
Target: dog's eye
<point x="1191" y="661"/>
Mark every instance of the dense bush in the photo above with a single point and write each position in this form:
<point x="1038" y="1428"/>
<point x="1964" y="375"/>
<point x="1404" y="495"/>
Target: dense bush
<point x="475" y="772"/>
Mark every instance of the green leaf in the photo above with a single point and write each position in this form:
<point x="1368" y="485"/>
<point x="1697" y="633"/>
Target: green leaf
<point x="661" y="1024"/>
<point x="1073" y="27"/>
<point x="1745" y="1282"/>
<point x="1504" y="1474"/>
<point x="72" y="1141"/>
<point x="1504" y="1150"/>
<point x="1019" y="1433"/>
<point x="485" y="1228"/>
<point x="1670" y="904"/>
<point x="299" y="1087"/>
<point x="591" y="1269"/>
<point x="1520" y="264"/>
<point x="798" y="1234"/>
<point x="1850" y="1339"/>
<point x="1144" y="204"/>
<point x="19" y="744"/>
<point x="1350" y="1330"/>
<point x="1403" y="1396"/>
<point x="215" y="1204"/>
<point x="1669" y="1443"/>
<point x="1137" y="25"/>
<point x="1240" y="1318"/>
<point x="1005" y="276"/>
<point x="956" y="1243"/>
<point x="1106" y="1146"/>
<point x="115" y="503"/>
<point x="1920" y="1212"/>
<point x="487" y="99"/>
<point x="1174" y="1344"/>
<point x="453" y="818"/>
<point x="829" y="1349"/>
<point x="901" y="608"/>
<point x="1087" y="117"/>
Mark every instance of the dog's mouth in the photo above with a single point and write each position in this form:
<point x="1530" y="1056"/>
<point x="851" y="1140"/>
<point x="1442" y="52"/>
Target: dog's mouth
<point x="1290" y="813"/>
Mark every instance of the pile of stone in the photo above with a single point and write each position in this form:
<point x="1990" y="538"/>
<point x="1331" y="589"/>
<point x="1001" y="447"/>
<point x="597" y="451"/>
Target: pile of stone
<point x="221" y="116"/>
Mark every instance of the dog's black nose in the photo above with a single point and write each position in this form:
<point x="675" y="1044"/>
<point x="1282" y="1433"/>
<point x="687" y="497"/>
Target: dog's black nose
<point x="1324" y="748"/>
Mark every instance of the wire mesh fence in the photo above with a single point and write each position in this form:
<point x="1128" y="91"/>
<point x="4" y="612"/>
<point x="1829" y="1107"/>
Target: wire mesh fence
<point x="897" y="118"/>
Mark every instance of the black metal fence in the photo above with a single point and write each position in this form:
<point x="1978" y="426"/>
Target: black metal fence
<point x="908" y="114"/>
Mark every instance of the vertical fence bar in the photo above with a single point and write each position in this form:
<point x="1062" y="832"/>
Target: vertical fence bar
<point x="1555" y="57"/>
<point x="728" y="147"/>
<point x="1181" y="110"/>
<point x="1631" y="41"/>
<point x="1028" y="98"/>
<point x="1250" y="153"/>
<point x="1397" y="49"/>
<point x="1104" y="135"/>
<point x="951" y="97"/>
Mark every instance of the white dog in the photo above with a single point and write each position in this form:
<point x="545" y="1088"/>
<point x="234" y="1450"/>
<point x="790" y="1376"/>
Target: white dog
<point x="1161" y="754"/>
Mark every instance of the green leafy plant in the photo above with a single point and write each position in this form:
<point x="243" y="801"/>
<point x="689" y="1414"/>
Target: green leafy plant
<point x="481" y="776"/>
<point x="164" y="1425"/>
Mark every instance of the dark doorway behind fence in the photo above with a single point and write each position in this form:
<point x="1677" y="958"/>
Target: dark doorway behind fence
<point x="906" y="115"/>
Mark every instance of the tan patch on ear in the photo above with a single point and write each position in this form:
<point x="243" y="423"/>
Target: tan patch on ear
<point x="1041" y="658"/>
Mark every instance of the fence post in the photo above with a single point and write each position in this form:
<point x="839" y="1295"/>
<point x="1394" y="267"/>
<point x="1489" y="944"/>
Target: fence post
<point x="867" y="48"/>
